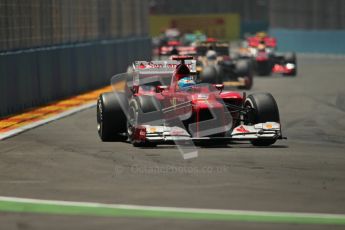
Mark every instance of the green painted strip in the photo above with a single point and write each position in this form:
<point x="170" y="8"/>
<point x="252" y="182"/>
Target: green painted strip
<point x="170" y="213"/>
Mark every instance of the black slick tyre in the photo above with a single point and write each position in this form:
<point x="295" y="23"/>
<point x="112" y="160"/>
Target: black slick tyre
<point x="264" y="109"/>
<point x="111" y="118"/>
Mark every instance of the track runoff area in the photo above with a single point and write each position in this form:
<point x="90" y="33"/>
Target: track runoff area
<point x="14" y="125"/>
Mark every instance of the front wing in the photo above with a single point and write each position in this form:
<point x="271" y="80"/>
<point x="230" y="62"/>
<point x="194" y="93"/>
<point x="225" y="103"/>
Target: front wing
<point x="284" y="68"/>
<point x="164" y="134"/>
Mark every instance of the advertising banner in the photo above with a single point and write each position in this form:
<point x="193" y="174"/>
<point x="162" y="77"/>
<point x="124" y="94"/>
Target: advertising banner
<point x="224" y="26"/>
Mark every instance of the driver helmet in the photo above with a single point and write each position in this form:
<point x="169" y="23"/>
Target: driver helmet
<point x="262" y="45"/>
<point x="186" y="82"/>
<point x="261" y="35"/>
<point x="211" y="55"/>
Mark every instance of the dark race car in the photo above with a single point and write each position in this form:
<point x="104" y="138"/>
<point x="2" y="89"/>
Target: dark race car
<point x="160" y="103"/>
<point x="215" y="66"/>
<point x="262" y="50"/>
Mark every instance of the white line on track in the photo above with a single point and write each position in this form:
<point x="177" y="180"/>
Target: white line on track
<point x="169" y="209"/>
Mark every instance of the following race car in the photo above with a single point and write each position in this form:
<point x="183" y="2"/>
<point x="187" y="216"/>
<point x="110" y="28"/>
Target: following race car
<point x="172" y="42"/>
<point x="217" y="67"/>
<point x="160" y="103"/>
<point x="262" y="50"/>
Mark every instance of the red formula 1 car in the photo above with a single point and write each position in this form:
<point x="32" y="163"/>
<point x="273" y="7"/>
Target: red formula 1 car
<point x="262" y="50"/>
<point x="173" y="43"/>
<point x="154" y="109"/>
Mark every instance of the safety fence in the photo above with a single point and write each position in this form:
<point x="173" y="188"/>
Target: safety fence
<point x="307" y="14"/>
<point x="308" y="41"/>
<point x="34" y="77"/>
<point x="37" y="23"/>
<point x="252" y="27"/>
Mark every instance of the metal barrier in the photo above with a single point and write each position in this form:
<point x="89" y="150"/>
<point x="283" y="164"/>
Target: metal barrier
<point x="308" y="41"/>
<point x="37" y="23"/>
<point x="38" y="76"/>
<point x="252" y="27"/>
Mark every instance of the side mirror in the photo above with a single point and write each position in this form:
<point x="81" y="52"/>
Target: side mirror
<point x="220" y="87"/>
<point x="135" y="89"/>
<point x="161" y="88"/>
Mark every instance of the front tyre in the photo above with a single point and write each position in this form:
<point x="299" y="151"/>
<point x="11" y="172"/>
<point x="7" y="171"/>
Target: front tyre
<point x="290" y="59"/>
<point x="264" y="109"/>
<point x="138" y="107"/>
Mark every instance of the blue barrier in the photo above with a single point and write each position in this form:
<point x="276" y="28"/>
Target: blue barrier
<point x="34" y="77"/>
<point x="305" y="41"/>
<point x="252" y="27"/>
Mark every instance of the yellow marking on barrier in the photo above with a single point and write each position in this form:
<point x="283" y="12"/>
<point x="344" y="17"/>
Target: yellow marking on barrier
<point x="20" y="124"/>
<point x="119" y="86"/>
<point x="4" y="124"/>
<point x="68" y="103"/>
<point x="46" y="109"/>
<point x="40" y="113"/>
<point x="26" y="116"/>
<point x="86" y="97"/>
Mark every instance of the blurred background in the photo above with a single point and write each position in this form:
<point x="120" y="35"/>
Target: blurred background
<point x="304" y="26"/>
<point x="52" y="49"/>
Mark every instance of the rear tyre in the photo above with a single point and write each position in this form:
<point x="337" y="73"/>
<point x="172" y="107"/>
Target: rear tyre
<point x="263" y="68"/>
<point x="209" y="75"/>
<point x="264" y="109"/>
<point x="111" y="118"/>
<point x="244" y="69"/>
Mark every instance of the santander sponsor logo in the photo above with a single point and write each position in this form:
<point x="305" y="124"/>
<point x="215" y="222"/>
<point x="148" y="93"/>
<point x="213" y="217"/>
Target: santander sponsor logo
<point x="241" y="129"/>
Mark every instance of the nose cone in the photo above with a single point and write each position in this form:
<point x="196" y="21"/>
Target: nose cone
<point x="204" y="101"/>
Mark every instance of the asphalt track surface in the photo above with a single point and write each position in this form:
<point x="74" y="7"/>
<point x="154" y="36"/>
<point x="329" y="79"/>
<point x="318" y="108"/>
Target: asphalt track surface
<point x="65" y="160"/>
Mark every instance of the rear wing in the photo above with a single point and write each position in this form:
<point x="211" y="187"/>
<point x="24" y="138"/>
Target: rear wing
<point x="222" y="49"/>
<point x="181" y="50"/>
<point x="255" y="41"/>
<point x="161" y="66"/>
